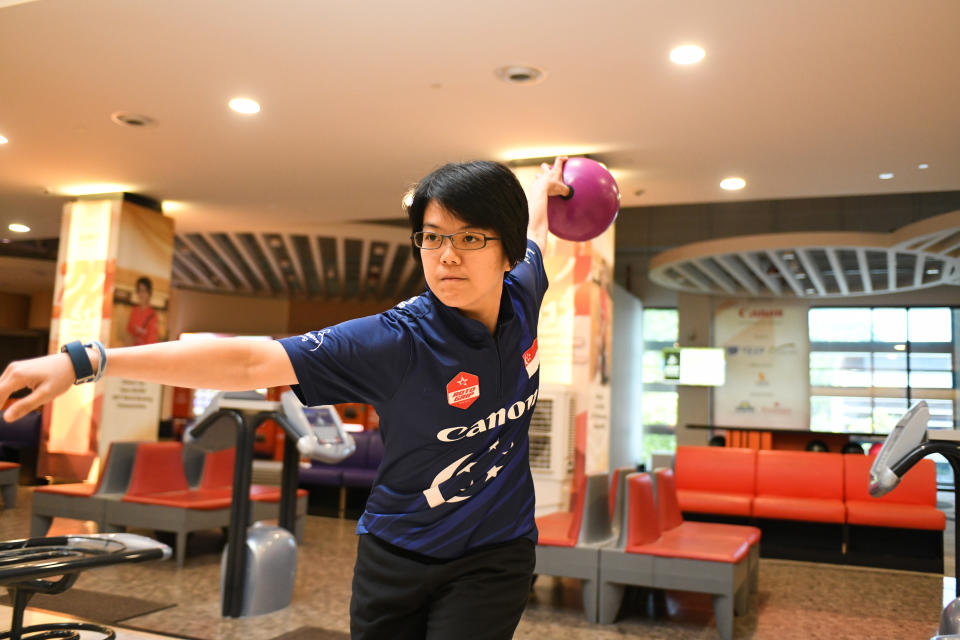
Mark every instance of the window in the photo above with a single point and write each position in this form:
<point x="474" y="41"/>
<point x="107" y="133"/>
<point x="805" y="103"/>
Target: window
<point x="659" y="403"/>
<point x="869" y="365"/>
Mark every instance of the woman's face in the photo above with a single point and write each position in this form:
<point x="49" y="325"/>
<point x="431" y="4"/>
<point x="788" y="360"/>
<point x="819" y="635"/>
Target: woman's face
<point x="471" y="280"/>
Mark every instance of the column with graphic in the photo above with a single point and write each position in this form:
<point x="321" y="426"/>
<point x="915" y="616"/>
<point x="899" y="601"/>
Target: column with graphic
<point x="113" y="284"/>
<point x="574" y="344"/>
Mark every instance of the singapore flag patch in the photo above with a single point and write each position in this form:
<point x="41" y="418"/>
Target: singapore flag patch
<point x="463" y="390"/>
<point x="531" y="359"/>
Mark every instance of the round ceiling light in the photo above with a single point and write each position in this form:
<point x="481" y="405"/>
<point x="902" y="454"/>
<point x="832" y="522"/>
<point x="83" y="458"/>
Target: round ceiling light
<point x="16" y="227"/>
<point x="520" y="74"/>
<point x="732" y="184"/>
<point x="886" y="176"/>
<point x="3" y="140"/>
<point x="687" y="54"/>
<point x="245" y="106"/>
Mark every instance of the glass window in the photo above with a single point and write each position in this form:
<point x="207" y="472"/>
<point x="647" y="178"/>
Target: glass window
<point x="661" y="325"/>
<point x="932" y="324"/>
<point x="660" y="407"/>
<point x="840" y="325"/>
<point x="863" y="368"/>
<point x="889" y="325"/>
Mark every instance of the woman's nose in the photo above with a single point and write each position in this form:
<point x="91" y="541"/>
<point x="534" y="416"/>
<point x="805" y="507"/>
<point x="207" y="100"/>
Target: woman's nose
<point x="447" y="253"/>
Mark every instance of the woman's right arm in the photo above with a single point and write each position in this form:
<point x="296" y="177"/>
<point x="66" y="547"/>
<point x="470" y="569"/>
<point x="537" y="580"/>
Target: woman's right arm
<point x="228" y="364"/>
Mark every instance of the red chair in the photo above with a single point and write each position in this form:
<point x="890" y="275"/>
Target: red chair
<point x="672" y="522"/>
<point x="664" y="560"/>
<point x="84" y="500"/>
<point x="158" y="497"/>
<point x="218" y="470"/>
<point x="569" y="542"/>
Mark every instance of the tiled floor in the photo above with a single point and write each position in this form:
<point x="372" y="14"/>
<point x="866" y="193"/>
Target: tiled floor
<point x="796" y="600"/>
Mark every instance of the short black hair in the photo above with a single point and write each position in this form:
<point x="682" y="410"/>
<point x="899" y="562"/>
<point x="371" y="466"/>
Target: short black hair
<point x="145" y="281"/>
<point x="482" y="194"/>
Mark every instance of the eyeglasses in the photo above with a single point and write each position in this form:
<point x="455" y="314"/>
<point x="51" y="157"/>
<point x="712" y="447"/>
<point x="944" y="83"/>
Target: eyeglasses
<point x="462" y="240"/>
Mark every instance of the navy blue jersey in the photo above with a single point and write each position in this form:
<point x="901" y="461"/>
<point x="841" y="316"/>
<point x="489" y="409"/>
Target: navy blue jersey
<point x="455" y="404"/>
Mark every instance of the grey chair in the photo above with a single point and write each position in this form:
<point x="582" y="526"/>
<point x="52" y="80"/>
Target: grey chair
<point x="569" y="543"/>
<point x="82" y="500"/>
<point x="717" y="566"/>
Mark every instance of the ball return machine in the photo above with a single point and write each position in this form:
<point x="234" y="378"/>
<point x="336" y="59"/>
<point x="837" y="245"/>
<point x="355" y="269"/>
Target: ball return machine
<point x="908" y="443"/>
<point x="259" y="562"/>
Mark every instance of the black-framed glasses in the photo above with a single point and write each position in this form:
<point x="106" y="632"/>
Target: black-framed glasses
<point x="462" y="240"/>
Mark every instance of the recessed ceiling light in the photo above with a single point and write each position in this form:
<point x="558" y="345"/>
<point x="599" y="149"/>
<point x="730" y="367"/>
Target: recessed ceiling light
<point x="932" y="272"/>
<point x="733" y="184"/>
<point x="923" y="165"/>
<point x="687" y="54"/>
<point x="3" y="140"/>
<point x="16" y="227"/>
<point x="245" y="106"/>
<point x="520" y="74"/>
<point x="809" y="291"/>
<point x="886" y="176"/>
<point x="127" y="119"/>
<point x="408" y="199"/>
<point x="899" y="347"/>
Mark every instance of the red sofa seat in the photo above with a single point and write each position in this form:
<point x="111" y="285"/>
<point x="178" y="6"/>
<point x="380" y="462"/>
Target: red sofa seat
<point x="158" y="478"/>
<point x="644" y="534"/>
<point x="562" y="528"/>
<point x="717" y="480"/>
<point x="912" y="505"/>
<point x="799" y="485"/>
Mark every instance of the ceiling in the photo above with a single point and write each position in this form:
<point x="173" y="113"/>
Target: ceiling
<point x="360" y="99"/>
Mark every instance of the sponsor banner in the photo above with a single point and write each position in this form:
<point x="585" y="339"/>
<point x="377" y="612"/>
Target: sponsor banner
<point x="767" y="355"/>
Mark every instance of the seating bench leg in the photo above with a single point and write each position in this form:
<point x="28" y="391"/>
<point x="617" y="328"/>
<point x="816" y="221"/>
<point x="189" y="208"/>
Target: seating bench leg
<point x="9" y="495"/>
<point x="754" y="568"/>
<point x="39" y="525"/>
<point x="723" y="613"/>
<point x="342" y="507"/>
<point x="590" y="600"/>
<point x="610" y="599"/>
<point x="741" y="603"/>
<point x="181" y="550"/>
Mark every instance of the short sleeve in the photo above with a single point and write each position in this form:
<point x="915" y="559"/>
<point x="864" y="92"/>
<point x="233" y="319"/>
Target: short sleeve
<point x="529" y="274"/>
<point x="361" y="360"/>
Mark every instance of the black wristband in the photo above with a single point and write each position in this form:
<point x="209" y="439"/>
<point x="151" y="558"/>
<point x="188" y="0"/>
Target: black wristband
<point x="82" y="367"/>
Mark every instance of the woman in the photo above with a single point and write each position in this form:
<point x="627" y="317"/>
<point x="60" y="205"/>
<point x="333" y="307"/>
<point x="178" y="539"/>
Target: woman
<point x="446" y="544"/>
<point x="142" y="326"/>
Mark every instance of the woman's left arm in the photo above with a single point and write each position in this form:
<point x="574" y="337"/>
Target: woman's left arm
<point x="549" y="182"/>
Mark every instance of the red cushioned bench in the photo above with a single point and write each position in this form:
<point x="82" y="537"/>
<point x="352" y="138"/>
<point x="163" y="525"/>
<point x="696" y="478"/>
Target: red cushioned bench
<point x="158" y="497"/>
<point x="661" y="559"/>
<point x="799" y="504"/>
<point x="901" y="530"/>
<point x="716" y="481"/>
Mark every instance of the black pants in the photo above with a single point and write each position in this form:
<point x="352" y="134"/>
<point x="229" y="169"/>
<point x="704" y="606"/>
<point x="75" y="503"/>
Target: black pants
<point x="399" y="596"/>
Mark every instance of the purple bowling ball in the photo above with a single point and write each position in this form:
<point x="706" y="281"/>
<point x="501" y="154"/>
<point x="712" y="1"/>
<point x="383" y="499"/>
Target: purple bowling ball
<point x="593" y="206"/>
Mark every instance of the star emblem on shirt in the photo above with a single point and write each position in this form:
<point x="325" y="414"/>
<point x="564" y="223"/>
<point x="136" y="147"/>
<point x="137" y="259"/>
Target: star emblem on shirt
<point x="492" y="473"/>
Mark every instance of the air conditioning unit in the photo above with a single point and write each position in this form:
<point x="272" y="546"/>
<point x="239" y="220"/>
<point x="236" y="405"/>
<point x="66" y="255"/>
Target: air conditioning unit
<point x="552" y="443"/>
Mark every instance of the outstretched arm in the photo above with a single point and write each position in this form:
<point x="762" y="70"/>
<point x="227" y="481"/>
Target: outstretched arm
<point x="549" y="182"/>
<point x="229" y="364"/>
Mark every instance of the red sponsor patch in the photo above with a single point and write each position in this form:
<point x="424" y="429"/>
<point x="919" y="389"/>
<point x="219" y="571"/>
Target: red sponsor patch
<point x="463" y="390"/>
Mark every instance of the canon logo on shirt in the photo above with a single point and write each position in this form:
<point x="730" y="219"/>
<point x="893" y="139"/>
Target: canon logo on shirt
<point x="492" y="421"/>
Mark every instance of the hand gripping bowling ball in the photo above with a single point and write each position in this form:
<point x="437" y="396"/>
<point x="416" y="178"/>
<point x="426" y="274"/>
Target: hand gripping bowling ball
<point x="590" y="208"/>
